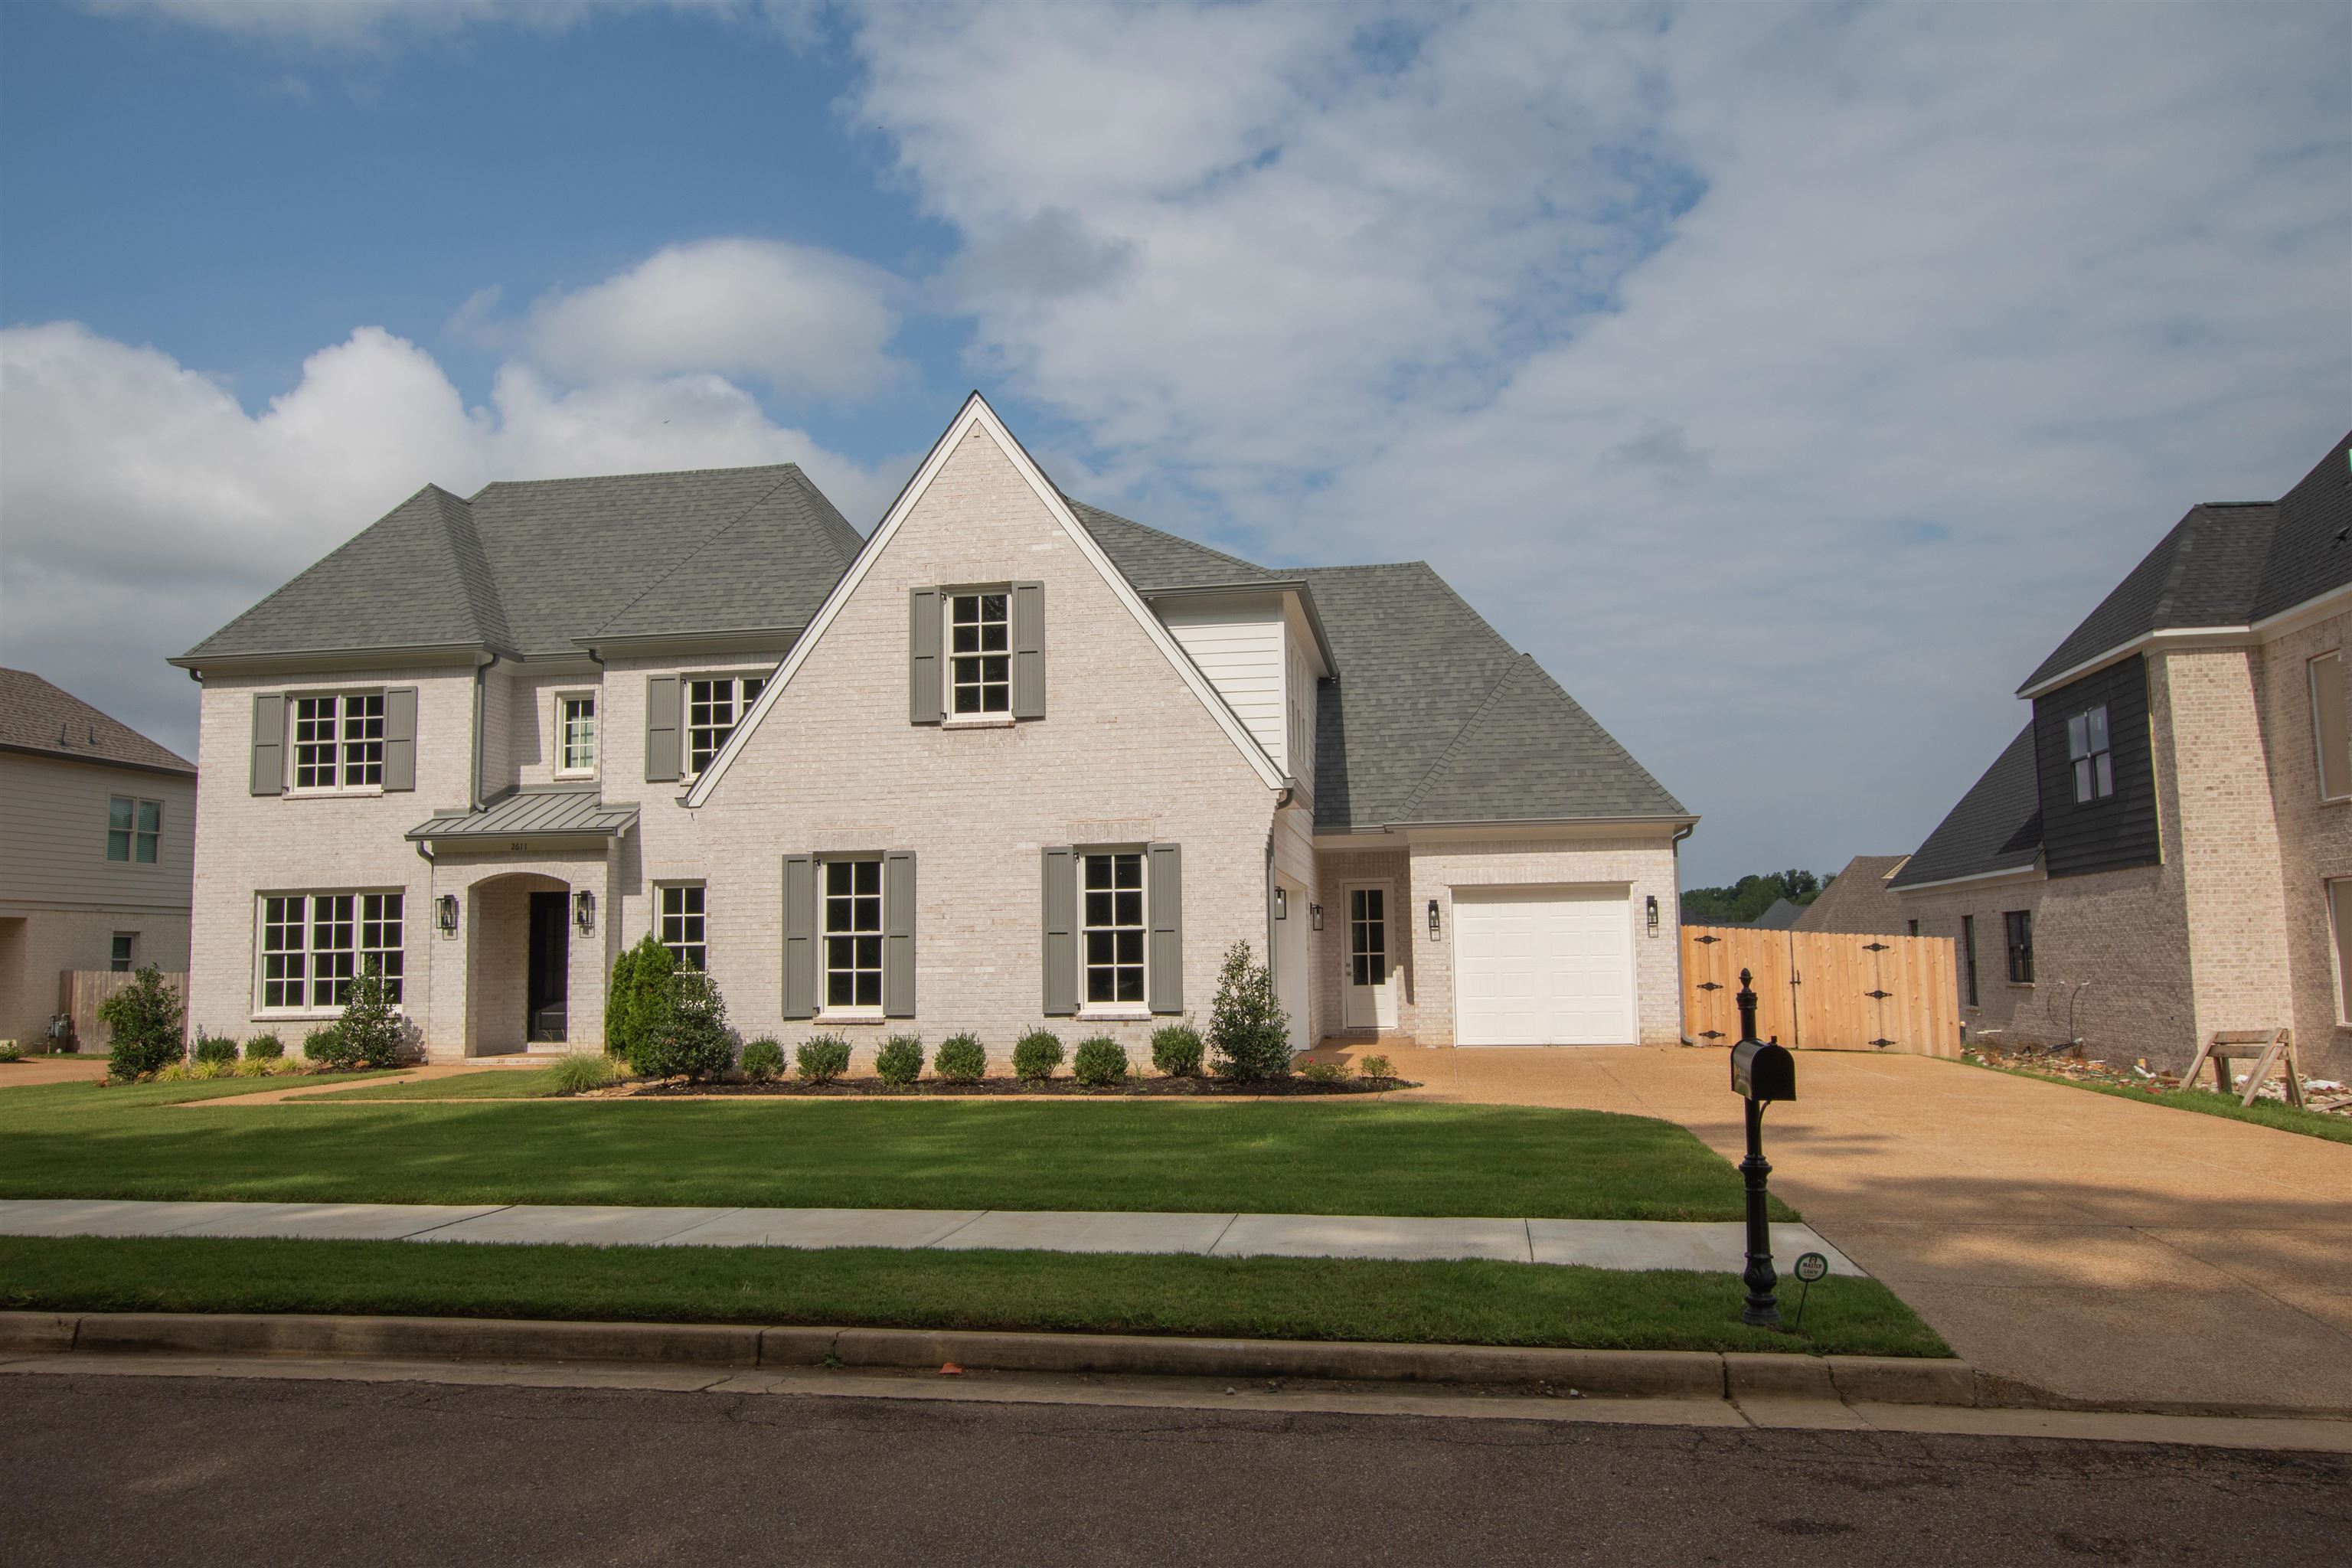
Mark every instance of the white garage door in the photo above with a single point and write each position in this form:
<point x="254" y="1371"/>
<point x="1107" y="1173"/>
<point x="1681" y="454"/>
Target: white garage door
<point x="1543" y="966"/>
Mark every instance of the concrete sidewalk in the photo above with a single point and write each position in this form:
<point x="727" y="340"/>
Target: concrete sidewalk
<point x="1595" y="1244"/>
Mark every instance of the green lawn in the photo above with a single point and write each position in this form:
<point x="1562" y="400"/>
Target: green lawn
<point x="1256" y="1298"/>
<point x="2262" y="1112"/>
<point x="492" y="1083"/>
<point x="1375" y="1158"/>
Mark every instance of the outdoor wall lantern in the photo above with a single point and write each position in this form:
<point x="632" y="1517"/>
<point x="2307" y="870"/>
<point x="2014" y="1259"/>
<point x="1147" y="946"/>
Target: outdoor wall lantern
<point x="583" y="910"/>
<point x="1653" y="914"/>
<point x="1432" y="919"/>
<point x="444" y="913"/>
<point x="1282" y="903"/>
<point x="1314" y="916"/>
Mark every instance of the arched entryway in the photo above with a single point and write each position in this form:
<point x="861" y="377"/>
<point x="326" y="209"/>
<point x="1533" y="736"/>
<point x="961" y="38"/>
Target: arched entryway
<point x="518" y="964"/>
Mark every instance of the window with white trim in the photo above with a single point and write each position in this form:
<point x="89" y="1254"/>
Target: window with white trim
<point x="339" y="740"/>
<point x="314" y="944"/>
<point x="2086" y="747"/>
<point x="2329" y="730"/>
<point x="979" y="654"/>
<point x="135" y="830"/>
<point x="852" y="933"/>
<point x="1112" y="930"/>
<point x="2339" y="915"/>
<point x="575" y="732"/>
<point x="683" y="928"/>
<point x="714" y="706"/>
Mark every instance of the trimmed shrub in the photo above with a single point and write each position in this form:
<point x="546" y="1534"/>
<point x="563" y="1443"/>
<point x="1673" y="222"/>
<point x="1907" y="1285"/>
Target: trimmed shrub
<point x="822" y="1059"/>
<point x="1036" y="1055"/>
<point x="1100" y="1063"/>
<point x="899" y="1062"/>
<point x="371" y="1033"/>
<point x="1376" y="1067"/>
<point x="322" y="1047"/>
<point x="763" y="1061"/>
<point x="145" y="1016"/>
<point x="213" y="1048"/>
<point x="1249" y="1033"/>
<point x="1176" y="1050"/>
<point x="1324" y="1073"/>
<point x="960" y="1059"/>
<point x="264" y="1048"/>
<point x="688" y="1037"/>
<point x="580" y="1070"/>
<point x="638" y="997"/>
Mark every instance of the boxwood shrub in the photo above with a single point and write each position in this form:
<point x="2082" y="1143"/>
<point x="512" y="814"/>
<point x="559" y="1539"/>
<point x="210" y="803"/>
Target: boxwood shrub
<point x="1100" y="1063"/>
<point x="265" y="1048"/>
<point x="1176" y="1050"/>
<point x="763" y="1061"/>
<point x="960" y="1059"/>
<point x="822" y="1059"/>
<point x="215" y="1048"/>
<point x="899" y="1062"/>
<point x="1036" y="1055"/>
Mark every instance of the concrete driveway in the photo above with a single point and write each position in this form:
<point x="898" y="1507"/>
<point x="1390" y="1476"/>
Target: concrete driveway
<point x="85" y="1068"/>
<point x="2088" y="1248"/>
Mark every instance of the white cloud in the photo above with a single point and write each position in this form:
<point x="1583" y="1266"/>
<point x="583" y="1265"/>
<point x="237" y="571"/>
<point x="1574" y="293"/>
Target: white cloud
<point x="144" y="508"/>
<point x="807" y="322"/>
<point x="1788" y="379"/>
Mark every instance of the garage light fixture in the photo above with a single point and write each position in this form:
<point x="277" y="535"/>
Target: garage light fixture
<point x="1432" y="919"/>
<point x="1314" y="916"/>
<point x="1653" y="914"/>
<point x="444" y="913"/>
<point x="1282" y="903"/>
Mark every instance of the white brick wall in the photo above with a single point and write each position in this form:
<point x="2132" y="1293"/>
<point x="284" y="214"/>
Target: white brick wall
<point x="2315" y="839"/>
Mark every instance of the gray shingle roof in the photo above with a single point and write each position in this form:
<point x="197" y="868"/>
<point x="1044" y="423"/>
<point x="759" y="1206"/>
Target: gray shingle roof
<point x="2226" y="563"/>
<point x="1857" y="900"/>
<point x="1782" y="916"/>
<point x="1996" y="826"/>
<point x="36" y="716"/>
<point x="539" y="813"/>
<point x="1155" y="562"/>
<point x="532" y="567"/>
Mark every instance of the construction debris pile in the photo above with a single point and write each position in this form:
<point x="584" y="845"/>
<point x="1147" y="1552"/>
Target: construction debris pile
<point x="2064" y="1061"/>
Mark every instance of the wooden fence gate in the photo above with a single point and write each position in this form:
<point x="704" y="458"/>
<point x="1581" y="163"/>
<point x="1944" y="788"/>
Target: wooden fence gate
<point x="79" y="991"/>
<point x="1823" y="990"/>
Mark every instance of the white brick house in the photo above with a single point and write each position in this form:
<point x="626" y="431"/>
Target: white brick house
<point x="1011" y="759"/>
<point x="2164" y="850"/>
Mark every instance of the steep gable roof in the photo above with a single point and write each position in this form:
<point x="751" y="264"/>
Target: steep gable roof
<point x="1995" y="826"/>
<point x="1531" y="753"/>
<point x="1857" y="900"/>
<point x="46" y="720"/>
<point x="2311" y="552"/>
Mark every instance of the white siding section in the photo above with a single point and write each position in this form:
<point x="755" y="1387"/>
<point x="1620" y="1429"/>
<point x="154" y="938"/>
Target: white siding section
<point x="1238" y="644"/>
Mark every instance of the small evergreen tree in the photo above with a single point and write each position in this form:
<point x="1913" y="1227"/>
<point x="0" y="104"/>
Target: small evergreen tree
<point x="1249" y="1033"/>
<point x="688" y="1036"/>
<point x="370" y="1034"/>
<point x="145" y="1016"/>
<point x="639" y="996"/>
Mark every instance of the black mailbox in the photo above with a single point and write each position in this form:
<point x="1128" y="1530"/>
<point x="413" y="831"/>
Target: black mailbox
<point x="1763" y="1069"/>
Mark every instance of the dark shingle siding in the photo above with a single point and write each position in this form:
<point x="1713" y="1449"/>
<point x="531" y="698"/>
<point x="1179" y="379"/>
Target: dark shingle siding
<point x="1995" y="826"/>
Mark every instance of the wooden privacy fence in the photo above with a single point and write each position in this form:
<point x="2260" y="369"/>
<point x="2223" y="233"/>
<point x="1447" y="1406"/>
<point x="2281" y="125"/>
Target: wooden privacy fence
<point x="1823" y="990"/>
<point x="79" y="991"/>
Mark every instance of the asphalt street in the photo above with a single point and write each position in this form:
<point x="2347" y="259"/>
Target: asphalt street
<point x="139" y="1469"/>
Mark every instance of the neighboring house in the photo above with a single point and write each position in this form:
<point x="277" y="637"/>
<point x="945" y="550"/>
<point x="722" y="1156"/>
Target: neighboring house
<point x="2165" y="849"/>
<point x="1858" y="901"/>
<point x="1011" y="759"/>
<point x="1782" y="916"/>
<point x="97" y="830"/>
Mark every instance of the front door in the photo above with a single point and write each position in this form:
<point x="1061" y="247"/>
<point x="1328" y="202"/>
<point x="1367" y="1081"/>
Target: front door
<point x="549" y="983"/>
<point x="1370" y="989"/>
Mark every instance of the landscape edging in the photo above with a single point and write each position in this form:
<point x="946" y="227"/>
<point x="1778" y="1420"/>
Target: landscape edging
<point x="1641" y="1374"/>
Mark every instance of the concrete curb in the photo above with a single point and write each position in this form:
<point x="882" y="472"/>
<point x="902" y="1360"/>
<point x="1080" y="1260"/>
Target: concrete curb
<point x="1624" y="1374"/>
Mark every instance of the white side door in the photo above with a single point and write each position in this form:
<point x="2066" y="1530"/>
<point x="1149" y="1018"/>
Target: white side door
<point x="1370" y="989"/>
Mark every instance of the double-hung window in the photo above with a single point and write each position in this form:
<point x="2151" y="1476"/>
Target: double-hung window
<point x="852" y="933"/>
<point x="576" y="733"/>
<point x="339" y="740"/>
<point x="2086" y="749"/>
<point x="1968" y="957"/>
<point x="2021" y="946"/>
<point x="134" y="829"/>
<point x="2328" y="727"/>
<point x="714" y="706"/>
<point x="979" y="654"/>
<point x="683" y="928"/>
<point x="1112" y="933"/>
<point x="120" y="959"/>
<point x="314" y="944"/>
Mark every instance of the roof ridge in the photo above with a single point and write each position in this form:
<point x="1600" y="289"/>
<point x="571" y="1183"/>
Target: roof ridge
<point x="1452" y="747"/>
<point x="634" y="474"/>
<point x="481" y="583"/>
<point x="687" y="557"/>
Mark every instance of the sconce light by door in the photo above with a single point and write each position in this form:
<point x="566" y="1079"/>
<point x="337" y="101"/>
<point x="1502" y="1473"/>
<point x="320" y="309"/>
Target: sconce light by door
<point x="1432" y="919"/>
<point x="1653" y="914"/>
<point x="1314" y="916"/>
<point x="583" y="910"/>
<point x="444" y="913"/>
<point x="1282" y="903"/>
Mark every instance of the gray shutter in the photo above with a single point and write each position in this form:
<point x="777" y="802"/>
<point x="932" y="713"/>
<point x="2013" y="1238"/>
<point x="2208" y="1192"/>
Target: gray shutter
<point x="899" y="934"/>
<point x="1061" y="932"/>
<point x="1163" y="973"/>
<point x="923" y="695"/>
<point x="269" y="743"/>
<point x="800" y="936"/>
<point x="661" y="729"/>
<point x="1028" y="651"/>
<point x="400" y="738"/>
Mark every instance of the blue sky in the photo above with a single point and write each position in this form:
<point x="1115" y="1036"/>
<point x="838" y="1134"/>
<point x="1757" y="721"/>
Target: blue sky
<point x="1788" y="379"/>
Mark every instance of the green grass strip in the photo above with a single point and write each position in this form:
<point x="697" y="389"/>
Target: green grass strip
<point x="492" y="1083"/>
<point x="2262" y="1112"/>
<point x="1353" y="1158"/>
<point x="1254" y="1297"/>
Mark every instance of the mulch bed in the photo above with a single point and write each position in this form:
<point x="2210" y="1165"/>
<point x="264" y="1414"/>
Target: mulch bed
<point x="1013" y="1087"/>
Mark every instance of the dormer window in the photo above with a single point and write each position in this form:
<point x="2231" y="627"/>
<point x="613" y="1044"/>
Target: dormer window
<point x="979" y="654"/>
<point x="2086" y="747"/>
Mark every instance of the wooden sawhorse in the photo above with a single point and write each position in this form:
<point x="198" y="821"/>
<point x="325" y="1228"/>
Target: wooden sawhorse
<point x="2267" y="1046"/>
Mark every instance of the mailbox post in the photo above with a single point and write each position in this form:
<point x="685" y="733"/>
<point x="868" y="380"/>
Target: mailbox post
<point x="1761" y="1072"/>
